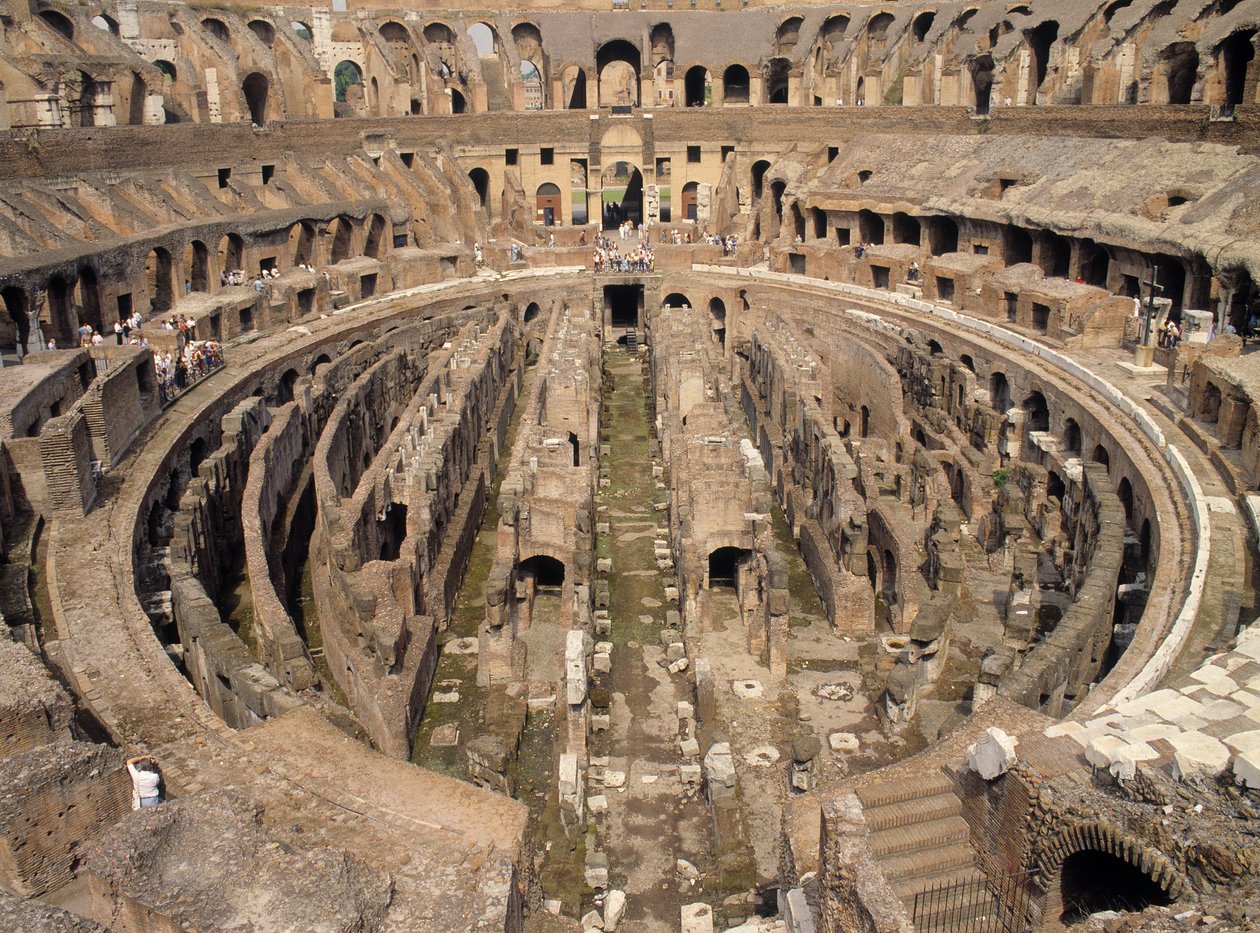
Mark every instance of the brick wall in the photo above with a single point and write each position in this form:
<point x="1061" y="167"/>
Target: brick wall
<point x="57" y="798"/>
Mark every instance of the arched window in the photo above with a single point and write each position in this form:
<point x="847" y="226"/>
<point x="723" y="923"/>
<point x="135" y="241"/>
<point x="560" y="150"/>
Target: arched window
<point x="735" y="84"/>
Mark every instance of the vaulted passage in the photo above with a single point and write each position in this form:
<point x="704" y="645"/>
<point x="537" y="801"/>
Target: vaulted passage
<point x="1094" y="881"/>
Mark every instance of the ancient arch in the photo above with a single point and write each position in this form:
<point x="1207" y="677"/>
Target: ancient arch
<point x="256" y="89"/>
<point x="618" y="64"/>
<point x="735" y="85"/>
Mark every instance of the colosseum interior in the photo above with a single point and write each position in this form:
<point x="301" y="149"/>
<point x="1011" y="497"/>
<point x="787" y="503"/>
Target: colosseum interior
<point x="637" y="465"/>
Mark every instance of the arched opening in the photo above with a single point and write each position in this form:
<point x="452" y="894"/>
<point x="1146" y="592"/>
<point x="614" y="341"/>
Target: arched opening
<point x="724" y="564"/>
<point x="870" y="227"/>
<point x="1017" y="245"/>
<point x="735" y="84"/>
<point x="217" y="28"/>
<point x="547" y="572"/>
<point x="717" y="311"/>
<point x="798" y="222"/>
<point x="480" y="179"/>
<point x="697" y="91"/>
<point x="864" y="422"/>
<point x="346" y="75"/>
<point x="265" y="32"/>
<point x="574" y="82"/>
<point x="676" y="300"/>
<point x="1072" y="437"/>
<point x="375" y="237"/>
<point x="1237" y="53"/>
<point x="1040" y="39"/>
<point x="83" y="111"/>
<point x="982" y="83"/>
<point x="58" y="23"/>
<point x="303" y="31"/>
<point x="942" y="235"/>
<point x="255" y="87"/>
<point x="967" y="361"/>
<point x="1124" y="492"/>
<point x="532" y="83"/>
<point x="338" y="233"/>
<point x="284" y="388"/>
<point x="922" y="25"/>
<point x="1114" y="8"/>
<point x="905" y="229"/>
<point x="1056" y="254"/>
<point x="1036" y="413"/>
<point x="547" y="200"/>
<point x="777" y="80"/>
<point x="88" y="299"/>
<point x="759" y="169"/>
<point x="776" y="195"/>
<point x="859" y="93"/>
<point x="1093" y="881"/>
<point x="302" y="243"/>
<point x="575" y="448"/>
<point x="1100" y="455"/>
<point x="105" y="23"/>
<point x="688" y="202"/>
<point x="458" y="103"/>
<point x="1095" y="264"/>
<point x="622" y="195"/>
<point x="168" y="70"/>
<point x="392" y="531"/>
<point x="1055" y="487"/>
<point x="15" y="308"/>
<point x="231" y="253"/>
<point x="1000" y="392"/>
<point x="1183" y="69"/>
<point x="157" y="274"/>
<point x="618" y="64"/>
<point x="531" y="312"/>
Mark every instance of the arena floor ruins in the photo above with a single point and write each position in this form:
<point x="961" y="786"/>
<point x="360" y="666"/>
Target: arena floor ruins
<point x="750" y="468"/>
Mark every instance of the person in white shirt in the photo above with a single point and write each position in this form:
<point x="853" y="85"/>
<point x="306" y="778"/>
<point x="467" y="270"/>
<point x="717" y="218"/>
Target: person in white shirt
<point x="145" y="782"/>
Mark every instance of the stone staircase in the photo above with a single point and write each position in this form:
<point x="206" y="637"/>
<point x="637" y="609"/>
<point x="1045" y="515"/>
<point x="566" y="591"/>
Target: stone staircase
<point x="632" y="341"/>
<point x="921" y="841"/>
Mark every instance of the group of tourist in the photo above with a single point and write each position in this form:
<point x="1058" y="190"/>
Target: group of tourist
<point x="609" y="258"/>
<point x="176" y="372"/>
<point x="729" y="244"/>
<point x="1168" y="334"/>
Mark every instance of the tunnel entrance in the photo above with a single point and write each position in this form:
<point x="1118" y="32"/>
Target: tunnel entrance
<point x="1093" y="881"/>
<point x="622" y="305"/>
<point x="547" y="572"/>
<point x="724" y="564"/>
<point x="393" y="531"/>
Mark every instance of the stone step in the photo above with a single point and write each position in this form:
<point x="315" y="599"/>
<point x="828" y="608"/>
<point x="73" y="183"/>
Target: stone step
<point x="907" y="812"/>
<point x="978" y="913"/>
<point x="890" y="792"/>
<point x="927" y="861"/>
<point x="920" y="836"/>
<point x="907" y="888"/>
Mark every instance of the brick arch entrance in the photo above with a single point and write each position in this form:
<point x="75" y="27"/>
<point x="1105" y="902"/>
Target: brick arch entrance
<point x="1144" y="876"/>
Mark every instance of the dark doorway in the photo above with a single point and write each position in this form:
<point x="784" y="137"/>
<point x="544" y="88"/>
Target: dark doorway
<point x="1237" y="52"/>
<point x="724" y="565"/>
<point x="393" y="531"/>
<point x="623" y="303"/>
<point x="255" y="88"/>
<point x="548" y="573"/>
<point x="576" y="448"/>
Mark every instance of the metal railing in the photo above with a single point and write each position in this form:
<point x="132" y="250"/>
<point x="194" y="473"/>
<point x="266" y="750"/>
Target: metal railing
<point x="1002" y="904"/>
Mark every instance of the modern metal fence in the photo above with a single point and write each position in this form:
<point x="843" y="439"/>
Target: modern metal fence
<point x="1001" y="904"/>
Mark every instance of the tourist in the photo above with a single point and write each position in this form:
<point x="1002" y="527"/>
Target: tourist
<point x="52" y="343"/>
<point x="551" y="241"/>
<point x="146" y="782"/>
<point x="913" y="272"/>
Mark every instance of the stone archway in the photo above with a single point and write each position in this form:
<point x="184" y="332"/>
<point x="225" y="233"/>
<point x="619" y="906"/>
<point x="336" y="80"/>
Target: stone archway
<point x="1148" y="877"/>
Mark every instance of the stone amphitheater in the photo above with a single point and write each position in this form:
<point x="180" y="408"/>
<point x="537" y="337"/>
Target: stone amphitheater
<point x="648" y="466"/>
